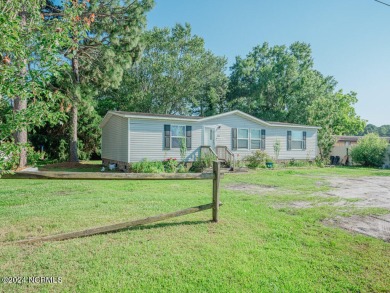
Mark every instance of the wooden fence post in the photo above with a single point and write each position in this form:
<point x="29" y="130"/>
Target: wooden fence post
<point x="216" y="180"/>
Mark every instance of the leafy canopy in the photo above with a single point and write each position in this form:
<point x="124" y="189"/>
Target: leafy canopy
<point x="176" y="75"/>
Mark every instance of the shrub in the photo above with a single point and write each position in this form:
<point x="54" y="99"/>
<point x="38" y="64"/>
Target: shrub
<point x="257" y="159"/>
<point x="203" y="162"/>
<point x="321" y="162"/>
<point x="146" y="166"/>
<point x="181" y="169"/>
<point x="10" y="155"/>
<point x="370" y="150"/>
<point x="298" y="163"/>
<point x="170" y="165"/>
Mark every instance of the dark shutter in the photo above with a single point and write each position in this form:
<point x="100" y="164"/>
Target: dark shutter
<point x="188" y="137"/>
<point x="263" y="139"/>
<point x="234" y="139"/>
<point x="289" y="140"/>
<point x="167" y="137"/>
<point x="304" y="140"/>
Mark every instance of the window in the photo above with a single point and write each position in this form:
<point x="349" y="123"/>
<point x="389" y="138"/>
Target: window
<point x="243" y="138"/>
<point x="297" y="140"/>
<point x="255" y="139"/>
<point x="178" y="135"/>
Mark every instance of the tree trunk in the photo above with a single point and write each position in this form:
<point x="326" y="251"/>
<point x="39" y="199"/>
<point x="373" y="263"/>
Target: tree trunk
<point x="21" y="136"/>
<point x="73" y="156"/>
<point x="73" y="149"/>
<point x="20" y="105"/>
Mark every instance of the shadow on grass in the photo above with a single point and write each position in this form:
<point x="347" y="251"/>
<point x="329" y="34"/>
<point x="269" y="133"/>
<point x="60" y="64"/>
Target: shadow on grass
<point x="160" y="225"/>
<point x="140" y="227"/>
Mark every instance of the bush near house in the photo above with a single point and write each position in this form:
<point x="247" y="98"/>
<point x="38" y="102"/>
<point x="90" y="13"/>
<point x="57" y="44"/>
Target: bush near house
<point x="370" y="150"/>
<point x="203" y="162"/>
<point x="170" y="165"/>
<point x="258" y="159"/>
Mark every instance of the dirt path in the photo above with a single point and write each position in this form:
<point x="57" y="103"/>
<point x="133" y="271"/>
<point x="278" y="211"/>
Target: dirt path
<point x="358" y="192"/>
<point x="371" y="191"/>
<point x="368" y="192"/>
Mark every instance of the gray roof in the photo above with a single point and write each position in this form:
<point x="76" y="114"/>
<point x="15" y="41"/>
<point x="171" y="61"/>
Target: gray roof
<point x="158" y="115"/>
<point x="199" y="118"/>
<point x="287" y="124"/>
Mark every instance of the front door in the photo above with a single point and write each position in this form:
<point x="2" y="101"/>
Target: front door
<point x="209" y="137"/>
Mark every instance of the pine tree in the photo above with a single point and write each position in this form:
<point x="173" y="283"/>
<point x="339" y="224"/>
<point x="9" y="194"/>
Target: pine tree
<point x="104" y="41"/>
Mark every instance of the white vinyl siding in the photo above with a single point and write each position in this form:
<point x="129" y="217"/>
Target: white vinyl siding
<point x="147" y="140"/>
<point x="273" y="133"/>
<point x="115" y="140"/>
<point x="134" y="139"/>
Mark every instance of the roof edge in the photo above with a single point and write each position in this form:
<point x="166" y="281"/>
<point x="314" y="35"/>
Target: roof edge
<point x="197" y="120"/>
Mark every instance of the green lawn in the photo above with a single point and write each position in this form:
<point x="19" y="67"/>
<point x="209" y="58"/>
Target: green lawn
<point x="257" y="246"/>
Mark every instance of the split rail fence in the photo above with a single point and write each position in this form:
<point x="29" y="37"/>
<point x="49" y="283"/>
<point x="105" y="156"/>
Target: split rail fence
<point x="215" y="176"/>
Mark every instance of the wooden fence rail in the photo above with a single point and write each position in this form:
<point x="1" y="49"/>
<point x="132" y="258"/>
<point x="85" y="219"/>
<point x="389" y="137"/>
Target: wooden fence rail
<point x="215" y="176"/>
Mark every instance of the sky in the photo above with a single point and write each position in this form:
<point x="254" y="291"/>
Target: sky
<point x="350" y="39"/>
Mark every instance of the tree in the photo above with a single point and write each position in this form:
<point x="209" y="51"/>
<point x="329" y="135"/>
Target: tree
<point x="104" y="37"/>
<point x="53" y="139"/>
<point x="383" y="130"/>
<point x="29" y="51"/>
<point x="280" y="83"/>
<point x="335" y="114"/>
<point x="176" y="75"/>
<point x="275" y="82"/>
<point x="370" y="150"/>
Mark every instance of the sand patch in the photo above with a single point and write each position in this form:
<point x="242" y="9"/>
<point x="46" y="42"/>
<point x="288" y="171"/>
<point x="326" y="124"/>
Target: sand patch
<point x="251" y="188"/>
<point x="374" y="226"/>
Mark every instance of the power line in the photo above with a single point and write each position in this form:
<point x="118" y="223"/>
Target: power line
<point x="387" y="4"/>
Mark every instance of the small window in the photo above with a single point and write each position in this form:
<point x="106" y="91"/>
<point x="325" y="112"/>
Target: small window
<point x="297" y="140"/>
<point x="178" y="135"/>
<point x="255" y="139"/>
<point x="243" y="138"/>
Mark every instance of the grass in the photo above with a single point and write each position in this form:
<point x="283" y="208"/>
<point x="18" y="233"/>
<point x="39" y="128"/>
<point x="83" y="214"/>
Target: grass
<point x="255" y="247"/>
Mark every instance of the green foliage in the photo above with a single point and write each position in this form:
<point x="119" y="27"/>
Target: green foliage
<point x="146" y="166"/>
<point x="298" y="163"/>
<point x="54" y="138"/>
<point x="170" y="165"/>
<point x="383" y="130"/>
<point x="181" y="169"/>
<point x="176" y="75"/>
<point x="102" y="41"/>
<point x="273" y="83"/>
<point x="203" y="162"/>
<point x="29" y="59"/>
<point x="277" y="149"/>
<point x="62" y="151"/>
<point x="280" y="83"/>
<point x="10" y="153"/>
<point x="257" y="159"/>
<point x="370" y="150"/>
<point x="321" y="162"/>
<point x="183" y="149"/>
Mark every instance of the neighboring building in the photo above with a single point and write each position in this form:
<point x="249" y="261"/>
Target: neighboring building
<point x="343" y="145"/>
<point x="130" y="137"/>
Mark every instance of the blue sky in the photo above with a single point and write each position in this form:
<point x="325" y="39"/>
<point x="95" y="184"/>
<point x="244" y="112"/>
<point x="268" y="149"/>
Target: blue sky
<point x="350" y="39"/>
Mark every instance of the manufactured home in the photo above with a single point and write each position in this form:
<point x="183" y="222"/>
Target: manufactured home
<point x="129" y="137"/>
